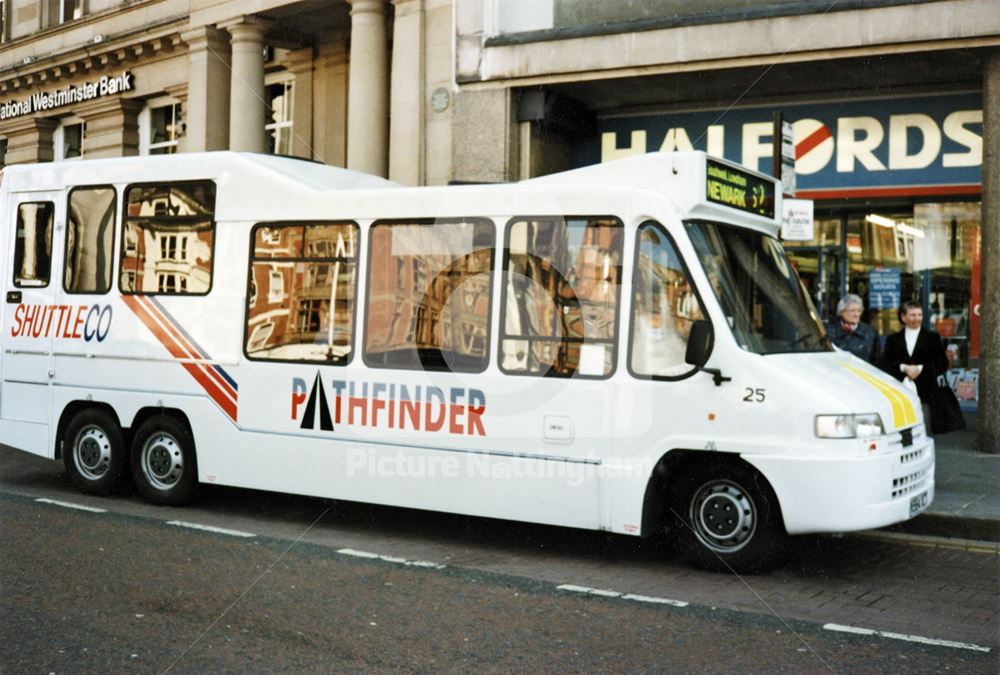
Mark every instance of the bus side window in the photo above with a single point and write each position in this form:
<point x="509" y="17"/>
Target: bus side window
<point x="301" y="295"/>
<point x="562" y="282"/>
<point x="429" y="289"/>
<point x="33" y="244"/>
<point x="89" y="240"/>
<point x="664" y="306"/>
<point x="168" y="238"/>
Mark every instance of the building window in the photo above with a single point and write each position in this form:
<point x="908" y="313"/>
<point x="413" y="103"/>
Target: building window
<point x="161" y="126"/>
<point x="562" y="281"/>
<point x="67" y="140"/>
<point x="437" y="316"/>
<point x="306" y="276"/>
<point x="279" y="121"/>
<point x="3" y="152"/>
<point x="57" y="12"/>
<point x="89" y="240"/>
<point x="168" y="238"/>
<point x="4" y="20"/>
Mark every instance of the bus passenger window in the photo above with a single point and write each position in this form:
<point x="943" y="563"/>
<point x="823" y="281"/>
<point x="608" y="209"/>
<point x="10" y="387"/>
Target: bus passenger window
<point x="664" y="306"/>
<point x="562" y="280"/>
<point x="168" y="238"/>
<point x="301" y="292"/>
<point x="33" y="244"/>
<point x="89" y="240"/>
<point x="429" y="289"/>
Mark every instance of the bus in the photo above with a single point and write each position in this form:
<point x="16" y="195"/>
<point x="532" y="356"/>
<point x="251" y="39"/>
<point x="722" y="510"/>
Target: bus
<point x="623" y="347"/>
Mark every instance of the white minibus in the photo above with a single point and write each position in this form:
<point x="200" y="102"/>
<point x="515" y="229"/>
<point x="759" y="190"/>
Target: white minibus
<point x="623" y="347"/>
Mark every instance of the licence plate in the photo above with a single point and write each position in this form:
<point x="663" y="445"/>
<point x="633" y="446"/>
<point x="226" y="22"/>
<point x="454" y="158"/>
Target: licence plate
<point x="918" y="503"/>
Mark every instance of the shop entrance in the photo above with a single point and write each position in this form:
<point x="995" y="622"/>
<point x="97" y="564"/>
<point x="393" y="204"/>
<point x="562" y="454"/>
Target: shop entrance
<point x="821" y="264"/>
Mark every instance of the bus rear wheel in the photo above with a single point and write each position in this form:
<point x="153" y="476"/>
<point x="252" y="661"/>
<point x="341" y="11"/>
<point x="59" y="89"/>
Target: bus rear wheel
<point x="729" y="517"/>
<point x="164" y="469"/>
<point x="94" y="452"/>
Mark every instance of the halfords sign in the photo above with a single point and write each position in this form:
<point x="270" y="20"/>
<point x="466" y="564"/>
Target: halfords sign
<point x="929" y="145"/>
<point x="43" y="101"/>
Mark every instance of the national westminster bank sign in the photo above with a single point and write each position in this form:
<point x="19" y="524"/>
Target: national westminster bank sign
<point x="43" y="101"/>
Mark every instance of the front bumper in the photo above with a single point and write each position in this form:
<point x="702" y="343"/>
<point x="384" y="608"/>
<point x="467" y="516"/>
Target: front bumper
<point x="843" y="494"/>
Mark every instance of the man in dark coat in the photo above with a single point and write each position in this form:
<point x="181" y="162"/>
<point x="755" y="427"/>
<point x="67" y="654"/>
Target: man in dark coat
<point x="852" y="334"/>
<point x="915" y="355"/>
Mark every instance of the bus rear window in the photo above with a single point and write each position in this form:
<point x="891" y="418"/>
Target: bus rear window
<point x="168" y="238"/>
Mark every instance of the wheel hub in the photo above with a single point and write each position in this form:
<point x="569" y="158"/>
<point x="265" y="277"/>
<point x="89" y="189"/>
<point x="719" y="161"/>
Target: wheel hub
<point x="162" y="461"/>
<point x="92" y="453"/>
<point x="723" y="516"/>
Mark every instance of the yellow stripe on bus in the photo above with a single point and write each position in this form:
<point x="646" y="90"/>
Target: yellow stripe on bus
<point x="903" y="412"/>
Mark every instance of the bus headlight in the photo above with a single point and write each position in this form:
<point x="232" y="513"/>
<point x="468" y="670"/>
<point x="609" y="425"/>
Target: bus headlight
<point x="849" y="426"/>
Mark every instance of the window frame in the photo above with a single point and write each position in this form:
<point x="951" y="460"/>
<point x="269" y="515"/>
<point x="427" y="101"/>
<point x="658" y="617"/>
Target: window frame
<point x="124" y="230"/>
<point x="17" y="216"/>
<point x="59" y="139"/>
<point x="251" y="244"/>
<point x="114" y="238"/>
<point x="287" y="81"/>
<point x="631" y="314"/>
<point x="146" y="144"/>
<point x="389" y="222"/>
<point x="502" y="335"/>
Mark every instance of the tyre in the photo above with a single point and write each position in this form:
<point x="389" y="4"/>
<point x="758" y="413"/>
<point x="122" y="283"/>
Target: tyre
<point x="94" y="452"/>
<point x="164" y="468"/>
<point x="729" y="518"/>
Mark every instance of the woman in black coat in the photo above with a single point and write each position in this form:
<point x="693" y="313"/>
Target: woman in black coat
<point x="916" y="355"/>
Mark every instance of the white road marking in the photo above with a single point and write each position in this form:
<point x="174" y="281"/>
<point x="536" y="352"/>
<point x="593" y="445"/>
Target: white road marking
<point x="70" y="505"/>
<point x="624" y="596"/>
<point x="391" y="559"/>
<point x="908" y="638"/>
<point x="209" y="528"/>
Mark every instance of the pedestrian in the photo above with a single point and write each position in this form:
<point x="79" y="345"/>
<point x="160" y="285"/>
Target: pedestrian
<point x="917" y="358"/>
<point x="850" y="333"/>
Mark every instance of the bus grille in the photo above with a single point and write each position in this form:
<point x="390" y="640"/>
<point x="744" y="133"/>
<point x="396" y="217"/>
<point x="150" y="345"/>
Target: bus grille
<point x="905" y="485"/>
<point x="908" y="457"/>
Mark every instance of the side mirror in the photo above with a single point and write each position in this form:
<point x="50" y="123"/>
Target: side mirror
<point x="699" y="344"/>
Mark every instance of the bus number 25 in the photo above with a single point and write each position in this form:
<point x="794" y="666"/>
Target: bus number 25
<point x="754" y="395"/>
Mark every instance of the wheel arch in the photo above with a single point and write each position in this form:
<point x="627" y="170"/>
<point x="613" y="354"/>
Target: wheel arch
<point x="71" y="410"/>
<point x="669" y="468"/>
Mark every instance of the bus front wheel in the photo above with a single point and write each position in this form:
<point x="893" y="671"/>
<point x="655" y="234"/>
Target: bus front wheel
<point x="728" y="518"/>
<point x="163" y="461"/>
<point x="94" y="452"/>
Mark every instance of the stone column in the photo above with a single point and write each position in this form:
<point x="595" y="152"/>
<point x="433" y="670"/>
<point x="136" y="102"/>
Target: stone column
<point x="112" y="128"/>
<point x="989" y="339"/>
<point x="406" y="118"/>
<point x="29" y="140"/>
<point x="368" y="99"/>
<point x="247" y="104"/>
<point x="208" y="89"/>
<point x="489" y="151"/>
<point x="300" y="65"/>
<point x="330" y="107"/>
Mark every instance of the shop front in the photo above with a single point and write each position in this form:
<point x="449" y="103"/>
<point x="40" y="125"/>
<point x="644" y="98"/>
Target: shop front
<point x="896" y="185"/>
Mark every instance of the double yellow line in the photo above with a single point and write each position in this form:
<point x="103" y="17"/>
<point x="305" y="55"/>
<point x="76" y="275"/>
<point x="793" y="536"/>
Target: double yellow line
<point x="903" y="412"/>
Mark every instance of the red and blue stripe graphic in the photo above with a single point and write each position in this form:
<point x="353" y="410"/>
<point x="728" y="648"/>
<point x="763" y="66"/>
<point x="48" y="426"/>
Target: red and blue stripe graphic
<point x="213" y="378"/>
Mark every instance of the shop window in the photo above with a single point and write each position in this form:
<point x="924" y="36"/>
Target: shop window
<point x="664" y="305"/>
<point x="562" y="281"/>
<point x="89" y="240"/>
<point x="279" y="121"/>
<point x="168" y="238"/>
<point x="33" y="244"/>
<point x="429" y="289"/>
<point x="161" y="126"/>
<point x="304" y="309"/>
<point x="67" y="140"/>
<point x="57" y="12"/>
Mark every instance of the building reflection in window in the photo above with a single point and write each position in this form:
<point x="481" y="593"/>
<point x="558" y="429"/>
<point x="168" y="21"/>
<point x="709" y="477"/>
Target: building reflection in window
<point x="168" y="238"/>
<point x="429" y="295"/>
<point x="562" y="281"/>
<point x="302" y="291"/>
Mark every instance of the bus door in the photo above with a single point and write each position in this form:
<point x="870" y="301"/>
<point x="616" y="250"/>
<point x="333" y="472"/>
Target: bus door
<point x="31" y="317"/>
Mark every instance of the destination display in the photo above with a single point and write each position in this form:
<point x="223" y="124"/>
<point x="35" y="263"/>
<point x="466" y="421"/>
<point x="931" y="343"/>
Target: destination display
<point x="739" y="189"/>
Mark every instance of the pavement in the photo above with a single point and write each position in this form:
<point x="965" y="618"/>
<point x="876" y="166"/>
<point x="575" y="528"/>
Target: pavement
<point x="967" y="492"/>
